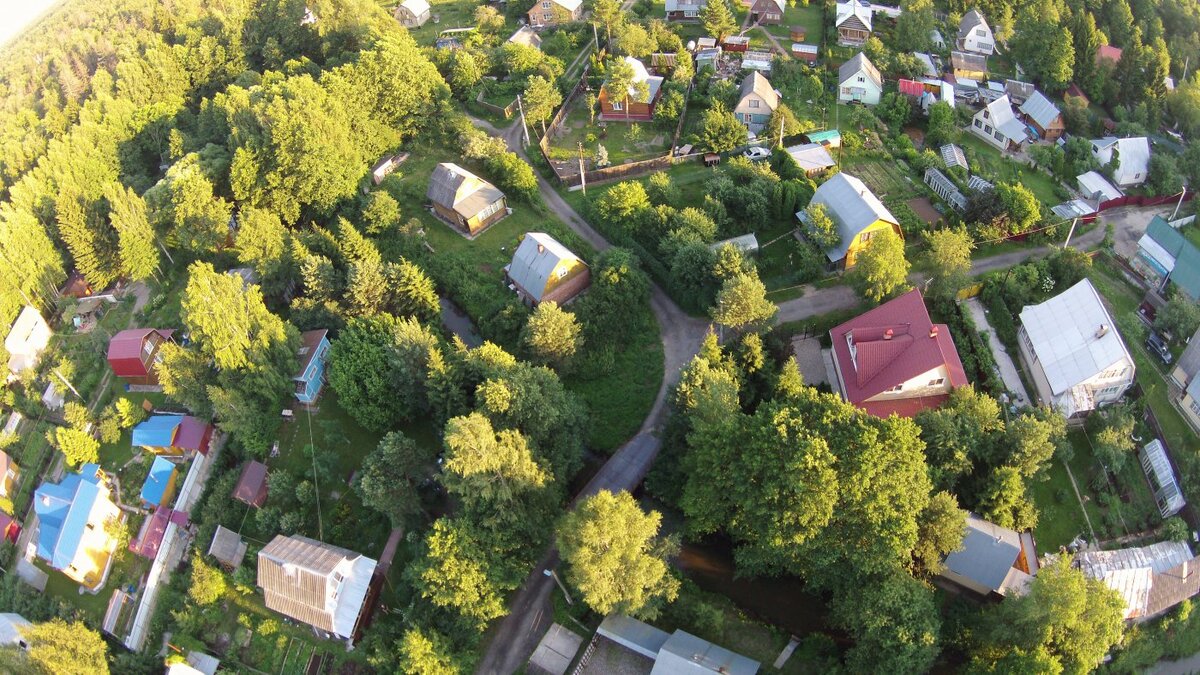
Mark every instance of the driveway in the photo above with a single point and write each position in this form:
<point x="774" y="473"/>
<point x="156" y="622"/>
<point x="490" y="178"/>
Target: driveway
<point x="1004" y="362"/>
<point x="1130" y="225"/>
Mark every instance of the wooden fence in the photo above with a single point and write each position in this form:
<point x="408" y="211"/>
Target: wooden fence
<point x="507" y="110"/>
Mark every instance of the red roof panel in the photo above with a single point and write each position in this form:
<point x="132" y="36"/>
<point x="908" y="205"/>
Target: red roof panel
<point x="125" y="351"/>
<point x="911" y="87"/>
<point x="894" y="343"/>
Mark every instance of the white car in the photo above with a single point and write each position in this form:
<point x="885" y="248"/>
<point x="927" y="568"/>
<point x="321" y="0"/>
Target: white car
<point x="754" y="154"/>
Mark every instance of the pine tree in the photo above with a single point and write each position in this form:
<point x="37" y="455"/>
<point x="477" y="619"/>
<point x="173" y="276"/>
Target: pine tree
<point x="413" y="292"/>
<point x="93" y="256"/>
<point x="717" y="20"/>
<point x="135" y="237"/>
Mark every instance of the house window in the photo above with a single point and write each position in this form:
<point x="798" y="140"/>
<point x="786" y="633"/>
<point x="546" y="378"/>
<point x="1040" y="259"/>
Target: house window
<point x="978" y="124"/>
<point x="1195" y="406"/>
<point x="980" y="32"/>
<point x="899" y="387"/>
<point x="545" y="5"/>
<point x="937" y="382"/>
<point x="987" y="129"/>
<point x="754" y="103"/>
<point x="616" y="105"/>
<point x="861" y="78"/>
<point x="985" y="114"/>
<point x="547" y="16"/>
<point x="561" y="272"/>
<point x="866" y="236"/>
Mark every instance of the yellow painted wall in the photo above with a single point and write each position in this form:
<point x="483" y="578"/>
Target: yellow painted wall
<point x="573" y="267"/>
<point x="859" y="243"/>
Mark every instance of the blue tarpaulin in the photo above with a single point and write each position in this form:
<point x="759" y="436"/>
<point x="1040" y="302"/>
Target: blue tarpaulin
<point x="157" y="432"/>
<point x="157" y="481"/>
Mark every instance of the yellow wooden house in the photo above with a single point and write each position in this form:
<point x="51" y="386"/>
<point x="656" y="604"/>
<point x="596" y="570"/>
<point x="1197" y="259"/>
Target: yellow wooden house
<point x="858" y="214"/>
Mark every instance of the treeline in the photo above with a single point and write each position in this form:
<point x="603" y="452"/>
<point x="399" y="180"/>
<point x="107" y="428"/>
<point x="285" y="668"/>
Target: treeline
<point x="158" y="124"/>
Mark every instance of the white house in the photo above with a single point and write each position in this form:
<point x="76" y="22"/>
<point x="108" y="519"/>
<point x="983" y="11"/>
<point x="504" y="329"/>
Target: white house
<point x="28" y="337"/>
<point x="859" y="80"/>
<point x="758" y="100"/>
<point x="974" y="35"/>
<point x="997" y="124"/>
<point x="412" y="13"/>
<point x="1071" y="347"/>
<point x="1132" y="155"/>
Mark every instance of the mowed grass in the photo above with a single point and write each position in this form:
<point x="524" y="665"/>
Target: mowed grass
<point x="988" y="161"/>
<point x="808" y="16"/>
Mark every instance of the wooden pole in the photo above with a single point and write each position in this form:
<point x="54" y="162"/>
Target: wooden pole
<point x="582" y="173"/>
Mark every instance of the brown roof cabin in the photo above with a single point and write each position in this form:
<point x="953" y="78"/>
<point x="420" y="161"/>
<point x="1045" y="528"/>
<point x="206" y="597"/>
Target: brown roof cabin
<point x="736" y="43"/>
<point x="465" y="200"/>
<point x="631" y="109"/>
<point x="767" y="11"/>
<point x="799" y="33"/>
<point x="252" y="485"/>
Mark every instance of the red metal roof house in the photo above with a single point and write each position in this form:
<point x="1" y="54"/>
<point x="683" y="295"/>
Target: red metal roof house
<point x="133" y="354"/>
<point x="894" y="359"/>
<point x="252" y="485"/>
<point x="10" y="529"/>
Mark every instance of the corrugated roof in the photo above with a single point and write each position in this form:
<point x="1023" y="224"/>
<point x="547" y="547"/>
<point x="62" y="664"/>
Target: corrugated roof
<point x="417" y="7"/>
<point x="755" y="83"/>
<point x="1018" y="89"/>
<point x="684" y="654"/>
<point x="534" y="261"/>
<point x="852" y="206"/>
<point x="1132" y="571"/>
<point x="155" y="486"/>
<point x="860" y="62"/>
<point x="1003" y="118"/>
<point x="892" y="345"/>
<point x="1074" y="337"/>
<point x="968" y="61"/>
<point x="1133" y="154"/>
<point x="811" y="157"/>
<point x="12" y="629"/>
<point x="910" y="87"/>
<point x="953" y="156"/>
<point x="309" y="341"/>
<point x="314" y="582"/>
<point x="227" y="546"/>
<point x="150" y="537"/>
<point x="634" y="635"/>
<point x="193" y="434"/>
<point x="251" y="487"/>
<point x="640" y="74"/>
<point x="927" y="63"/>
<point x="453" y="187"/>
<point x="1158" y="466"/>
<point x="63" y="510"/>
<point x="1041" y="110"/>
<point x="157" y="431"/>
<point x="1095" y="186"/>
<point x="526" y="36"/>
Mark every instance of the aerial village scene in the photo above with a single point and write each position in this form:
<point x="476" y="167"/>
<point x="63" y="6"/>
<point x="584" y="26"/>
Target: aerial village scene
<point x="614" y="337"/>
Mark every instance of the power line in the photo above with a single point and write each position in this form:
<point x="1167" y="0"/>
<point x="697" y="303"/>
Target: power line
<point x="312" y="448"/>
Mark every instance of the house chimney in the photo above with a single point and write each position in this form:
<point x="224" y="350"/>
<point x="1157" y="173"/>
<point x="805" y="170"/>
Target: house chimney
<point x="1102" y="330"/>
<point x="887" y="335"/>
<point x="541" y="249"/>
<point x="933" y="330"/>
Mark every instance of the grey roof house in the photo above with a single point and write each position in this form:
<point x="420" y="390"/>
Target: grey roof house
<point x="678" y="653"/>
<point x="464" y="199"/>
<point x="992" y="560"/>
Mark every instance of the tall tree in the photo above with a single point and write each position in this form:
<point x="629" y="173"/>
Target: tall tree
<point x="895" y="623"/>
<point x="378" y="366"/>
<point x="68" y="648"/>
<point x="820" y="227"/>
<point x="486" y="468"/>
<point x="228" y="319"/>
<point x="880" y="269"/>
<point x="609" y="13"/>
<point x="621" y="81"/>
<point x="31" y="268"/>
<point x="915" y="24"/>
<point x="948" y="255"/>
<point x="720" y="129"/>
<point x="391" y="475"/>
<point x="1043" y="45"/>
<point x="412" y="291"/>
<point x="91" y="242"/>
<point x="743" y="301"/>
<point x="1067" y="619"/>
<point x="942" y="527"/>
<point x="615" y="557"/>
<point x="541" y="98"/>
<point x="552" y="334"/>
<point x="424" y="652"/>
<point x="717" y="19"/>
<point x="135" y="237"/>
<point x="452" y="573"/>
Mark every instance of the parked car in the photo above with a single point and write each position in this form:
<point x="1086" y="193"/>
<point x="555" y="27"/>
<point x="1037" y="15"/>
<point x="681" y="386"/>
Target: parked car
<point x="755" y="154"/>
<point x="1158" y="347"/>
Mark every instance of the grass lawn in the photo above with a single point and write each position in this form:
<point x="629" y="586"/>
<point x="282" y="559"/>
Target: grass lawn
<point x="614" y="136"/>
<point x="1060" y="516"/>
<point x="1192" y="232"/>
<point x="888" y="179"/>
<point x="989" y="163"/>
<point x="808" y="16"/>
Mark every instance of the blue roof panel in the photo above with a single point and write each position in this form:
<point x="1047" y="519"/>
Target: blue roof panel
<point x="157" y="481"/>
<point x="157" y="432"/>
<point x="63" y="511"/>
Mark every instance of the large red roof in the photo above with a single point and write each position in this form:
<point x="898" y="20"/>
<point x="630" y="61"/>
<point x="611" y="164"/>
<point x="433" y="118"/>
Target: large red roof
<point x="1109" y="52"/>
<point x="894" y="343"/>
<point x="125" y="351"/>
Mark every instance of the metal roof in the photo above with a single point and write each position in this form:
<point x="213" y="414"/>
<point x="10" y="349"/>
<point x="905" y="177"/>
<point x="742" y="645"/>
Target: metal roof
<point x="953" y="156"/>
<point x="968" y="61"/>
<point x="988" y="552"/>
<point x="12" y="629"/>
<point x="1131" y="571"/>
<point x="1040" y="109"/>
<point x="1074" y="337"/>
<point x="852" y="206"/>
<point x="157" y="481"/>
<point x="684" y="653"/>
<point x="854" y="8"/>
<point x="811" y="156"/>
<point x="969" y="21"/>
<point x="1158" y="468"/>
<point x="157" y="431"/>
<point x="535" y="260"/>
<point x="1003" y="118"/>
<point x="455" y="188"/>
<point x="1095" y="186"/>
<point x="1075" y="208"/>
<point x="1133" y="154"/>
<point x="927" y="61"/>
<point x="860" y="62"/>
<point x="63" y="511"/>
<point x="314" y="582"/>
<point x="636" y="636"/>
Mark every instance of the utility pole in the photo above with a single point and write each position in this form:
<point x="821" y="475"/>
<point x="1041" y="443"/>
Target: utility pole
<point x="781" y="131"/>
<point x="524" y="126"/>
<point x="553" y="575"/>
<point x="582" y="173"/>
<point x="1179" y="203"/>
<point x="1070" y="232"/>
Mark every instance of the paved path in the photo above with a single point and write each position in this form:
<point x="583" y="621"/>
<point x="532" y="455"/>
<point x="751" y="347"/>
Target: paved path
<point x="530" y="613"/>
<point x="1004" y="363"/>
<point x="1182" y="667"/>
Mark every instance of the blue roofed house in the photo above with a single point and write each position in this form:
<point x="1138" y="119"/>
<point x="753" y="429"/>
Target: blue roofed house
<point x="157" y="434"/>
<point x="314" y="350"/>
<point x="1166" y="258"/>
<point x="159" y="487"/>
<point x="993" y="561"/>
<point x="72" y="536"/>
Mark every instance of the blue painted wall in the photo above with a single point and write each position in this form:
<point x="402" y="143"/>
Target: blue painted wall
<point x="314" y="377"/>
